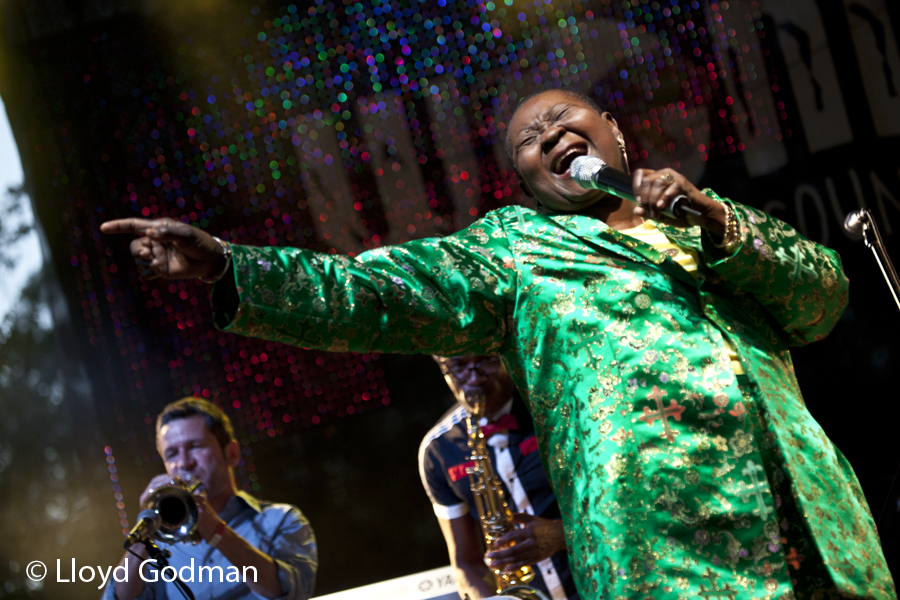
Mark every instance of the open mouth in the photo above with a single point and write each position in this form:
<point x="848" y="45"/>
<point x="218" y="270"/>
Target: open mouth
<point x="562" y="163"/>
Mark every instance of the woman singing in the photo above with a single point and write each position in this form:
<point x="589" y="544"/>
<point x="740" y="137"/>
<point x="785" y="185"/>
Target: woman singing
<point x="652" y="353"/>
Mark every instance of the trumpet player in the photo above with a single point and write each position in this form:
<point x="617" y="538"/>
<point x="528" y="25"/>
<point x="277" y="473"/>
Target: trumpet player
<point x="443" y="455"/>
<point x="273" y="541"/>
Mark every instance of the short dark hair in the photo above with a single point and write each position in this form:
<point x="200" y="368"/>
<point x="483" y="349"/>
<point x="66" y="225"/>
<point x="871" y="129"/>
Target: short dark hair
<point x="217" y="421"/>
<point x="507" y="148"/>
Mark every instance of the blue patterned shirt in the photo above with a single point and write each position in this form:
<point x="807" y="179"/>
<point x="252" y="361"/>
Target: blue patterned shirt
<point x="279" y="530"/>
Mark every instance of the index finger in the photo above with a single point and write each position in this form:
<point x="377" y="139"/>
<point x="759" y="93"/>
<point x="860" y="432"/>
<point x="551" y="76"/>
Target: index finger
<point x="136" y="226"/>
<point x="517" y="549"/>
<point x="513" y="535"/>
<point x="636" y="181"/>
<point x="161" y="479"/>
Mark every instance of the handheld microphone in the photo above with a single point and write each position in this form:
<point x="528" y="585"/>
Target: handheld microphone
<point x="594" y="174"/>
<point x="147" y="524"/>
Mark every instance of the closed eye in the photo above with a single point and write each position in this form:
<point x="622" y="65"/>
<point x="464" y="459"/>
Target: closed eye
<point x="525" y="141"/>
<point x="562" y="112"/>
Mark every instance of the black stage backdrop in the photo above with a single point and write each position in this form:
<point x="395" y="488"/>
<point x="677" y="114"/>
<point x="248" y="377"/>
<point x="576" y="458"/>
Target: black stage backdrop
<point x="342" y="126"/>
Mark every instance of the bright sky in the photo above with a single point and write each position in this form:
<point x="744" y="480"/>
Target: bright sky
<point x="27" y="253"/>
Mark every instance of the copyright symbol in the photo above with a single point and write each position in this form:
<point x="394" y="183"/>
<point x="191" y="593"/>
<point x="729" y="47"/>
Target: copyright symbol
<point x="36" y="570"/>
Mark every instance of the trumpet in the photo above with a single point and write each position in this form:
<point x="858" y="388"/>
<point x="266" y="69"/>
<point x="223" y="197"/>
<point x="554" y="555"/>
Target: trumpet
<point x="177" y="509"/>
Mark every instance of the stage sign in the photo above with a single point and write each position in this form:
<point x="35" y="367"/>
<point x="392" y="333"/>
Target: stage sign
<point x="436" y="584"/>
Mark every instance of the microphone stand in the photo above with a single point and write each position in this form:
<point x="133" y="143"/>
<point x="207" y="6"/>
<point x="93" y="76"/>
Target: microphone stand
<point x="161" y="557"/>
<point x="861" y="221"/>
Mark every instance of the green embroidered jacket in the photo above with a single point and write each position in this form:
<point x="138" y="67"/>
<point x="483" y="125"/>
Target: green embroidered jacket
<point x="676" y="479"/>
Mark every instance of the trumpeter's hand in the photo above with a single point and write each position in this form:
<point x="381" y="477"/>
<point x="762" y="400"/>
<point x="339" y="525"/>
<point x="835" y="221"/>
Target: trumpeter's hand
<point x="170" y="249"/>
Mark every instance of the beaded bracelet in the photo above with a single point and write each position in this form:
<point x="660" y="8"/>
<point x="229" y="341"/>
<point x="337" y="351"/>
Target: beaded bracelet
<point x="731" y="237"/>
<point x="226" y="248"/>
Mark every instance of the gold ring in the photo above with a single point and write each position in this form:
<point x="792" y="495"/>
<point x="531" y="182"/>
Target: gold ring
<point x="668" y="179"/>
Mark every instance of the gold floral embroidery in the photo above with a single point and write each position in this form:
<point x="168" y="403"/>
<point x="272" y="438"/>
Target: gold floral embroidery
<point x="589" y="323"/>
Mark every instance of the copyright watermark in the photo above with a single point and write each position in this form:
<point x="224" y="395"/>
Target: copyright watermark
<point x="147" y="570"/>
<point x="36" y="570"/>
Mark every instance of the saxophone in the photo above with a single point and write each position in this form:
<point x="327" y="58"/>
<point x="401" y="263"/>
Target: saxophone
<point x="490" y="501"/>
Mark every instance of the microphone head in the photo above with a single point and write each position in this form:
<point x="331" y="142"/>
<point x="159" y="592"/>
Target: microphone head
<point x="584" y="170"/>
<point x="856" y="221"/>
<point x="148" y="522"/>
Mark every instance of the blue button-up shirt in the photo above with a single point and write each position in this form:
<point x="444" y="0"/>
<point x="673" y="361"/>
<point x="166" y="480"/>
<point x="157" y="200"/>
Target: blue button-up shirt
<point x="279" y="530"/>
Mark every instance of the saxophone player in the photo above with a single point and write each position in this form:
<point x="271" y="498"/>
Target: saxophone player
<point x="443" y="457"/>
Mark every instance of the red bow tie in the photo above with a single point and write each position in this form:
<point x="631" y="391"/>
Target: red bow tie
<point x="504" y="423"/>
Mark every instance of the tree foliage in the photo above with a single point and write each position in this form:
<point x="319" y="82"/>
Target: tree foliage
<point x="13" y="225"/>
<point x="40" y="499"/>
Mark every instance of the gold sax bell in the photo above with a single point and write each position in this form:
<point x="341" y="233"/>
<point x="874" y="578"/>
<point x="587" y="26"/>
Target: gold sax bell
<point x="177" y="509"/>
<point x="520" y="592"/>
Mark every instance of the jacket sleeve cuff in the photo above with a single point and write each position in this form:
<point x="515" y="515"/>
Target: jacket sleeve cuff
<point x="225" y="299"/>
<point x="714" y="254"/>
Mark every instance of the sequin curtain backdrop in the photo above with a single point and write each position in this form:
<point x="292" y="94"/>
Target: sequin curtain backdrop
<point x="342" y="126"/>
